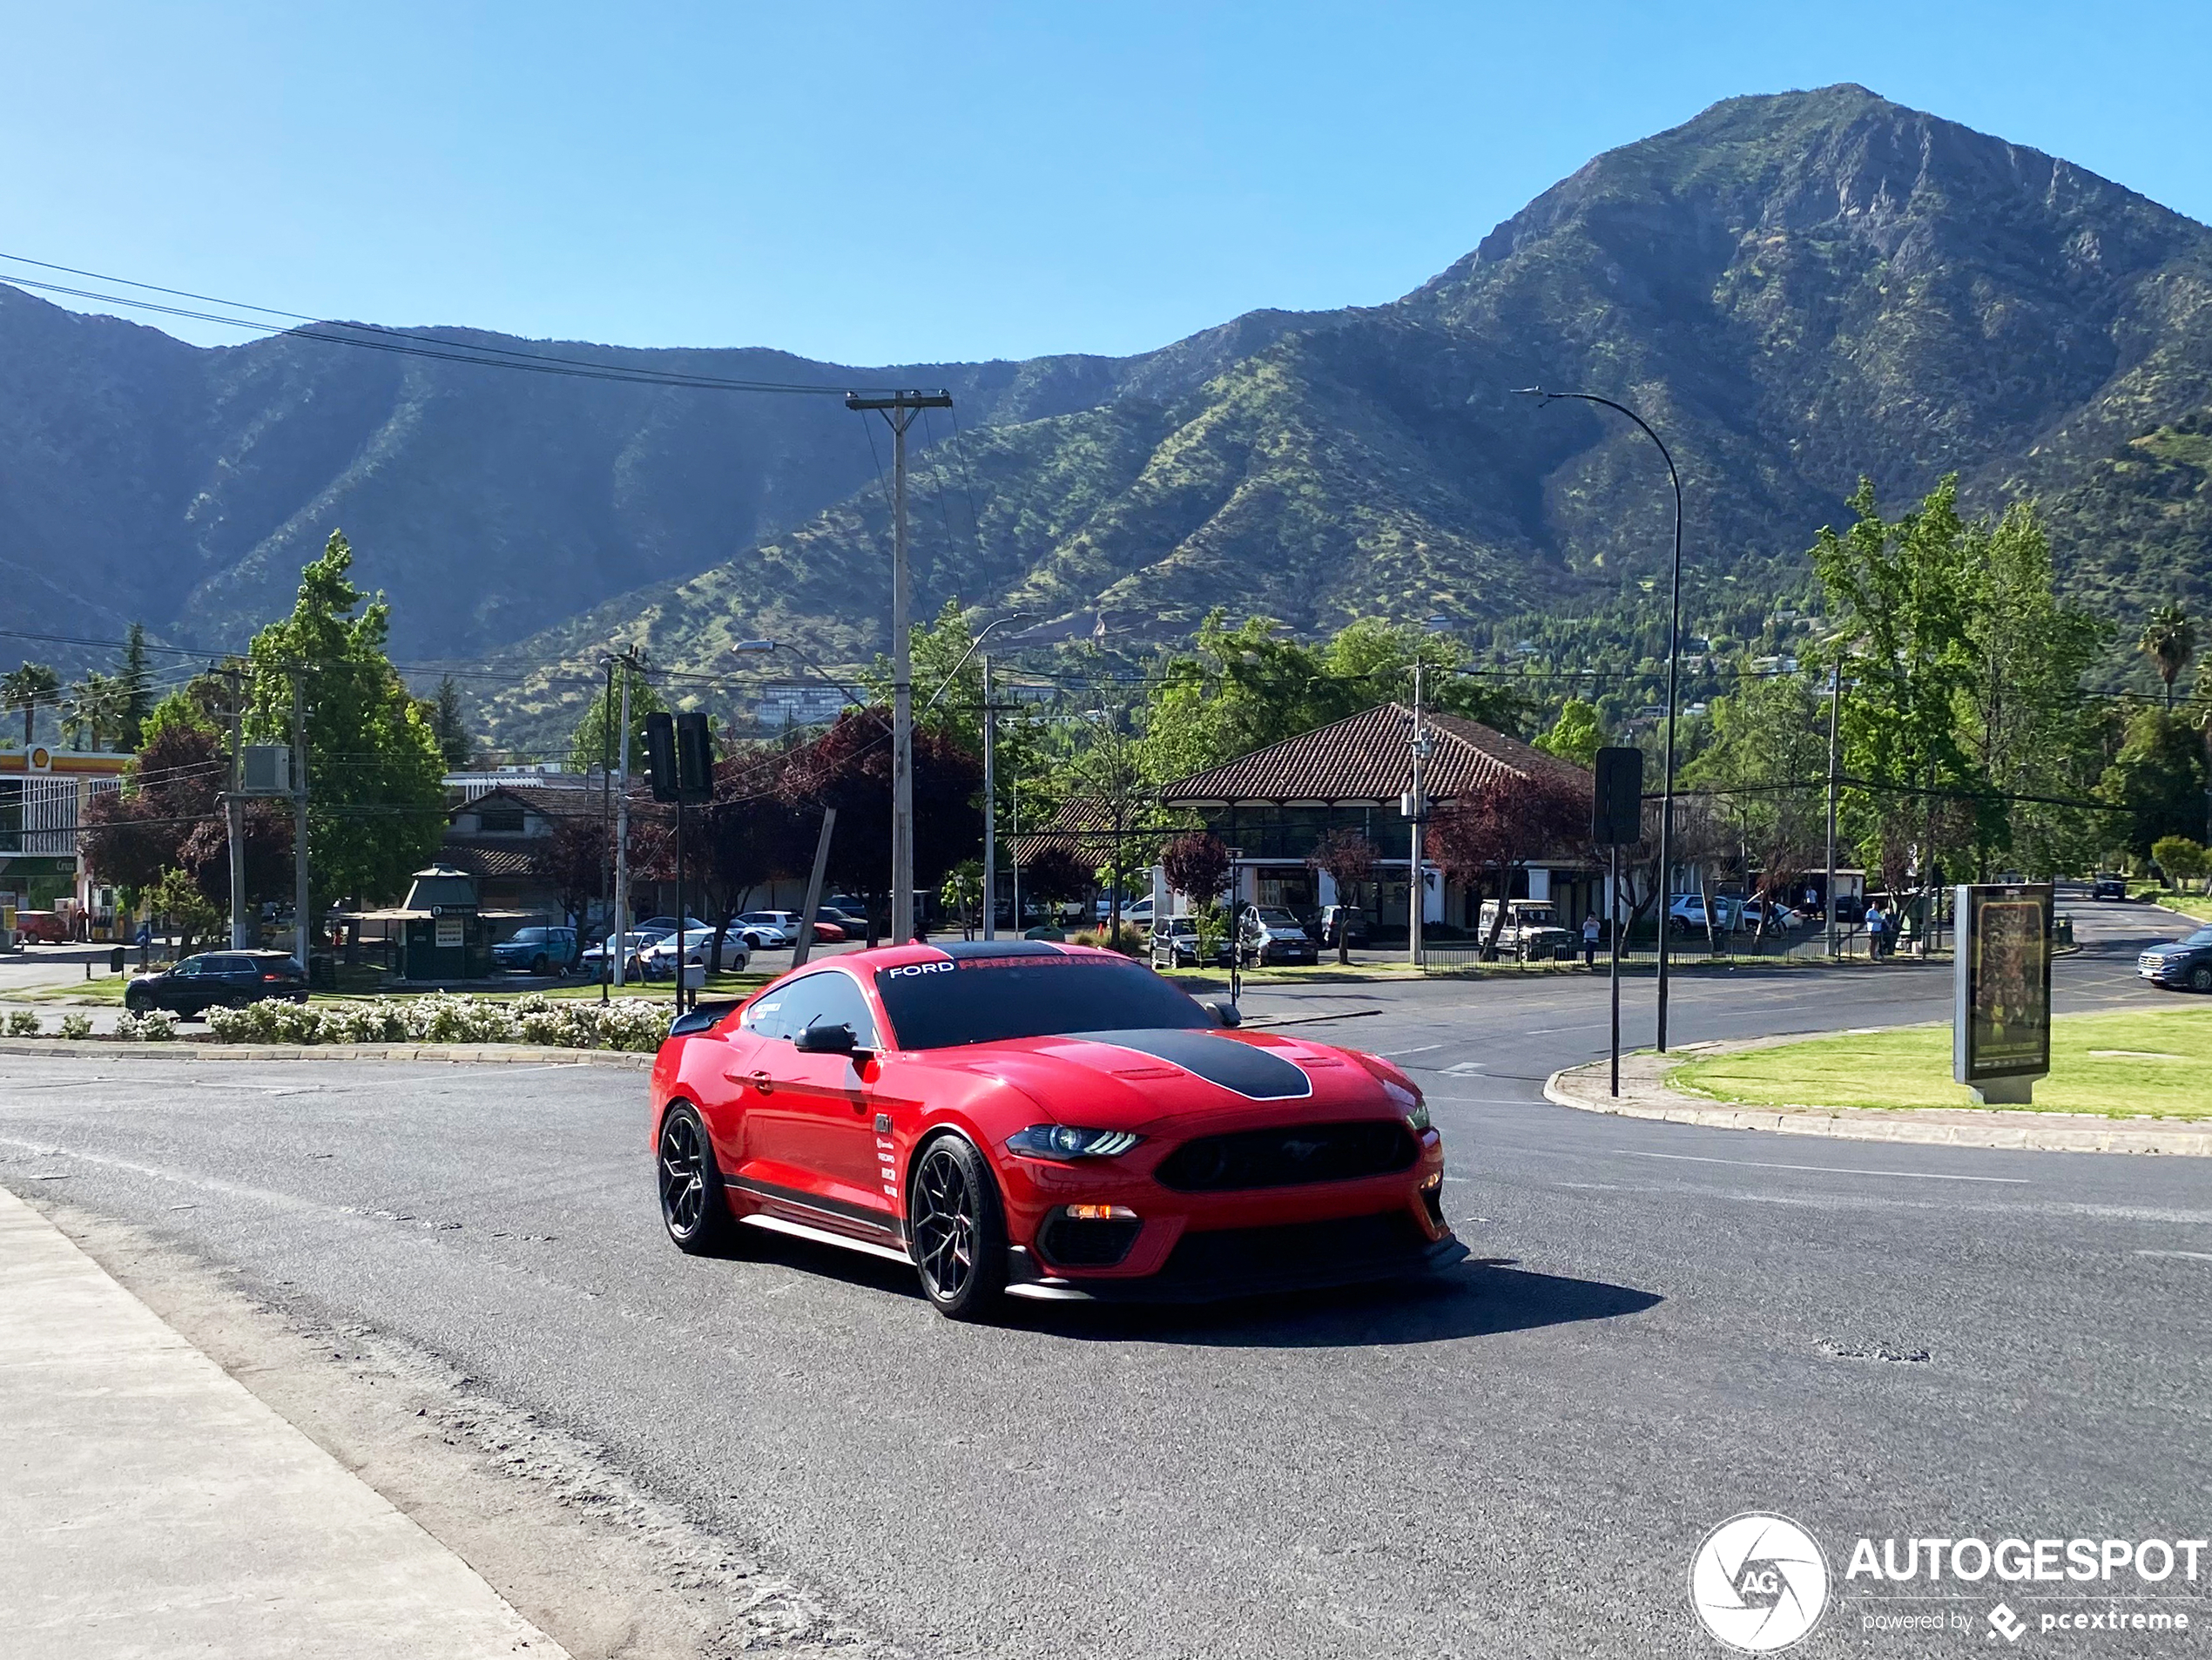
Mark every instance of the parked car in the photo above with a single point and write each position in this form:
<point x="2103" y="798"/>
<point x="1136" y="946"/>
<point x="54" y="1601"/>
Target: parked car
<point x="1135" y="912"/>
<point x="666" y="925"/>
<point x="1531" y="931"/>
<point x="697" y="947"/>
<point x="230" y="979"/>
<point x="537" y="950"/>
<point x="1349" y="920"/>
<point x="1268" y="934"/>
<point x="45" y="927"/>
<point x="632" y="948"/>
<point x="834" y="927"/>
<point x="2108" y="885"/>
<point x="769" y="930"/>
<point x="1175" y="945"/>
<point x="1686" y="915"/>
<point x="1780" y="919"/>
<point x="2185" y="962"/>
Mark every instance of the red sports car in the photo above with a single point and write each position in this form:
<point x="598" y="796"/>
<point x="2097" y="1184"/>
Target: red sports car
<point x="1043" y="1120"/>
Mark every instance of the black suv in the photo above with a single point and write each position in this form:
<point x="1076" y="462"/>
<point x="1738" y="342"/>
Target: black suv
<point x="231" y="978"/>
<point x="2108" y="886"/>
<point x="2185" y="962"/>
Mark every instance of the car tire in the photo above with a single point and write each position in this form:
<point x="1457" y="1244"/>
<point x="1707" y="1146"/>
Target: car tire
<point x="2200" y="977"/>
<point x="538" y="966"/>
<point x="137" y="1003"/>
<point x="694" y="1205"/>
<point x="957" y="1229"/>
<point x="237" y="1000"/>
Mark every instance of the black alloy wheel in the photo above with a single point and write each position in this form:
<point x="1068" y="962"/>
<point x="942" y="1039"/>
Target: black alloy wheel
<point x="692" y="1203"/>
<point x="136" y="1002"/>
<point x="959" y="1236"/>
<point x="538" y="965"/>
<point x="2200" y="977"/>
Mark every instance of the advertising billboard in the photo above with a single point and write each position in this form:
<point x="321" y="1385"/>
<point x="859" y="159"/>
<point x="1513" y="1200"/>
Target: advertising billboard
<point x="2001" y="1027"/>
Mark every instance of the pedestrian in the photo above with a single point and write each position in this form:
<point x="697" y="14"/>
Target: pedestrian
<point x="1589" y="941"/>
<point x="144" y="943"/>
<point x="1875" y="921"/>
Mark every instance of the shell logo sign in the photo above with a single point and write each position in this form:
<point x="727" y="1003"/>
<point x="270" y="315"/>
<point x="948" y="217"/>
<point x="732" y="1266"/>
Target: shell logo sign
<point x="41" y="759"/>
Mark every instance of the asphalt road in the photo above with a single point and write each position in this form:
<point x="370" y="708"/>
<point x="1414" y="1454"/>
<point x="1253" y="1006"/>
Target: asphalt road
<point x="1666" y="1325"/>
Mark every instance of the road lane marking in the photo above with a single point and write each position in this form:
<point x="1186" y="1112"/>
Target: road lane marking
<point x="2192" y="1256"/>
<point x="1392" y="1053"/>
<point x="1827" y="1169"/>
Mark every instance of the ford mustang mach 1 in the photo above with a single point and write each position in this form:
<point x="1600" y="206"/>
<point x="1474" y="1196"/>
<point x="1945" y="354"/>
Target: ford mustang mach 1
<point x="1050" y="1121"/>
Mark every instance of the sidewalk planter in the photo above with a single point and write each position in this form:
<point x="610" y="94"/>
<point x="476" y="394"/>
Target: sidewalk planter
<point x="547" y="1022"/>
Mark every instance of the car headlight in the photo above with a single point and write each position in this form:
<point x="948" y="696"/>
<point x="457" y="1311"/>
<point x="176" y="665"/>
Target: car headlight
<point x="1408" y="1102"/>
<point x="1065" y="1141"/>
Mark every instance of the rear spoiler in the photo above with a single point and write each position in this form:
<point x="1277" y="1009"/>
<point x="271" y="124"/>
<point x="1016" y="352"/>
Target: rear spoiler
<point x="702" y="1017"/>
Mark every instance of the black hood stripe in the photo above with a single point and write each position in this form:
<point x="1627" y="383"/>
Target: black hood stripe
<point x="1250" y="1071"/>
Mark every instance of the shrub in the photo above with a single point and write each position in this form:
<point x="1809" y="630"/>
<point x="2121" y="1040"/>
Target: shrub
<point x="155" y="1026"/>
<point x="77" y="1025"/>
<point x="631" y="1024"/>
<point x="22" y="1022"/>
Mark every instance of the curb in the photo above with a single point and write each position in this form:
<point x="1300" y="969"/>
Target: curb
<point x="480" y="1054"/>
<point x="1858" y="1124"/>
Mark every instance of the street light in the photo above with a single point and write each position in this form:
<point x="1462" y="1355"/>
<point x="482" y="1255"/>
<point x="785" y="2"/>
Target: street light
<point x="990" y="771"/>
<point x="1674" y="666"/>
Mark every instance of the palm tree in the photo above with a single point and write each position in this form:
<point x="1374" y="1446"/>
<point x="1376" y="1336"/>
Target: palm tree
<point x="98" y="706"/>
<point x="25" y="688"/>
<point x="2169" y="641"/>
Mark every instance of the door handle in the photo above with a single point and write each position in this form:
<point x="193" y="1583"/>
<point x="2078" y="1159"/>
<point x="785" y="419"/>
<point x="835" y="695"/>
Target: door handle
<point x="763" y="1082"/>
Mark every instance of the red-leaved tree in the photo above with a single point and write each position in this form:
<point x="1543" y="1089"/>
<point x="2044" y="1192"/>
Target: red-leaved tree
<point x="1502" y="825"/>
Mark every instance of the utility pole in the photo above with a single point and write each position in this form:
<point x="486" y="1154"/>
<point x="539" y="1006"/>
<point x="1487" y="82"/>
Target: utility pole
<point x="1835" y="704"/>
<point x="234" y="814"/>
<point x="606" y="820"/>
<point x="617" y="935"/>
<point x="1417" y="812"/>
<point x="990" y="808"/>
<point x="302" y="925"/>
<point x="898" y="411"/>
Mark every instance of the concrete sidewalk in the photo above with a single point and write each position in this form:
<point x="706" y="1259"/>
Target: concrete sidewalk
<point x="150" y="1505"/>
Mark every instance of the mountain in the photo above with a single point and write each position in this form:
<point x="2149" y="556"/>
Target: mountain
<point x="1794" y="289"/>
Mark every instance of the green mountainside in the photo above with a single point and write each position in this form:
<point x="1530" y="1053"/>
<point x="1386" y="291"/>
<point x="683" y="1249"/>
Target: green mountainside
<point x="1794" y="289"/>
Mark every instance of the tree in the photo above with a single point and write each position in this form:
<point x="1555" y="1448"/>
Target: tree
<point x="448" y="726"/>
<point x="205" y="855"/>
<point x="962" y="893"/>
<point x="376" y="806"/>
<point x="597" y="741"/>
<point x="1197" y="865"/>
<point x="1502" y="824"/>
<point x="573" y="860"/>
<point x="1054" y="875"/>
<point x="133" y="836"/>
<point x="1767" y="763"/>
<point x="2181" y="858"/>
<point x="96" y="711"/>
<point x="748" y="835"/>
<point x="849" y="768"/>
<point x="1577" y="734"/>
<point x="2168" y="640"/>
<point x="2156" y="781"/>
<point x="26" y="687"/>
<point x="1902" y="592"/>
<point x="1349" y="858"/>
<point x="174" y="896"/>
<point x="1111" y="774"/>
<point x="137" y="687"/>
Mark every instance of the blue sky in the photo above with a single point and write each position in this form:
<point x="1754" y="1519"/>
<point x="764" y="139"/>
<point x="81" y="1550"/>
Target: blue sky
<point x="873" y="183"/>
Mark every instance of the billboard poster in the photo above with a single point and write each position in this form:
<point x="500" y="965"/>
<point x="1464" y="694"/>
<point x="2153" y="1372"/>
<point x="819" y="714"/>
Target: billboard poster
<point x="2002" y="1022"/>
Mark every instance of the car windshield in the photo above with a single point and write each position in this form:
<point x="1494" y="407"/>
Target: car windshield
<point x="2202" y="936"/>
<point x="983" y="1000"/>
<point x="1279" y="919"/>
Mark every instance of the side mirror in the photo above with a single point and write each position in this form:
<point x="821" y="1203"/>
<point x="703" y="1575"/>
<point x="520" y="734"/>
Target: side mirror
<point x="824" y="1038"/>
<point x="1225" y="1014"/>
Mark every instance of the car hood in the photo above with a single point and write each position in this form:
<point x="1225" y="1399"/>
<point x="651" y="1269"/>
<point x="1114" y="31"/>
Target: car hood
<point x="1160" y="1081"/>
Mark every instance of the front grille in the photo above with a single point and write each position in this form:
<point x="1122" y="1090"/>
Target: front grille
<point x="1290" y="1157"/>
<point x="1301" y="1248"/>
<point x="1074" y="1244"/>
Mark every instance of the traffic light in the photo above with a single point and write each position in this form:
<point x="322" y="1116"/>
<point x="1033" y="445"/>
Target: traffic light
<point x="694" y="759"/>
<point x="1616" y="812"/>
<point x="660" y="755"/>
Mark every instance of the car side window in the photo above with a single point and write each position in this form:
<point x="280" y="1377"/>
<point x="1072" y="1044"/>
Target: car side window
<point x="830" y="997"/>
<point x="841" y="1004"/>
<point x="190" y="967"/>
<point x="228" y="966"/>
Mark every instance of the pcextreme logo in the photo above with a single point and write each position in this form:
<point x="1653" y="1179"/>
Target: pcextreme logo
<point x="1758" y="1582"/>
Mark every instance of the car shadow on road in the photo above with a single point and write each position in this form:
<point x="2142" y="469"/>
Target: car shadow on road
<point x="1484" y="1298"/>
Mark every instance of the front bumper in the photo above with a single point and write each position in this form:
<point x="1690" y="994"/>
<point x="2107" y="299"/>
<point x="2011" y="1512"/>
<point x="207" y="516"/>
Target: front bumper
<point x="1254" y="1262"/>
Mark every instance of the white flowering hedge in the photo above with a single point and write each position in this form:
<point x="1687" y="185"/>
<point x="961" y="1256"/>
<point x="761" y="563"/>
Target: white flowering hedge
<point x="625" y="1023"/>
<point x="155" y="1026"/>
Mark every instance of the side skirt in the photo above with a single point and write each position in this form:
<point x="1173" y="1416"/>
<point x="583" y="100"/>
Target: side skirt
<point x="784" y="1225"/>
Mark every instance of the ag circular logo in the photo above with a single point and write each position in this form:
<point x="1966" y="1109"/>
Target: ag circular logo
<point x="1758" y="1582"/>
